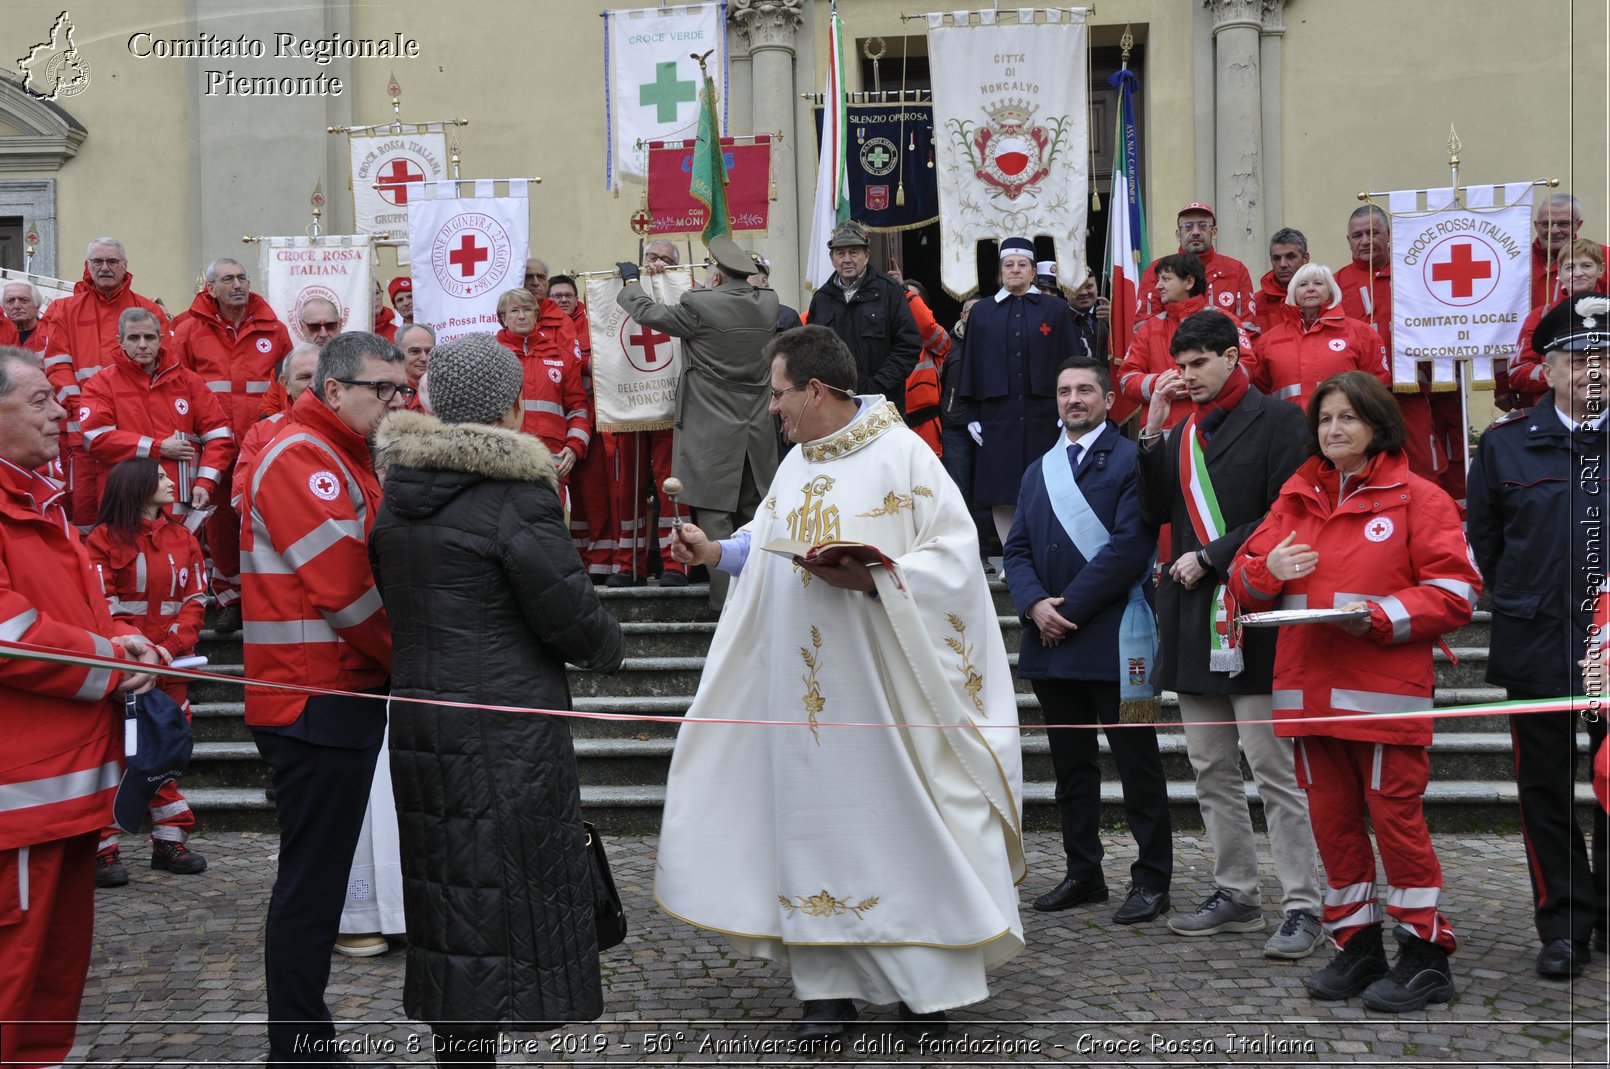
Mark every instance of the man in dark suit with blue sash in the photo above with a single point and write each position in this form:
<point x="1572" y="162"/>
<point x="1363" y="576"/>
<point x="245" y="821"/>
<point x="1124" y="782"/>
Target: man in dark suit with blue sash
<point x="1078" y="559"/>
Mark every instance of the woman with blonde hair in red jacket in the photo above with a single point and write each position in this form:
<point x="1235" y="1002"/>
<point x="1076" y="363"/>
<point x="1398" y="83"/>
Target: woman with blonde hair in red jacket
<point x="151" y="567"/>
<point x="1299" y="353"/>
<point x="1354" y="529"/>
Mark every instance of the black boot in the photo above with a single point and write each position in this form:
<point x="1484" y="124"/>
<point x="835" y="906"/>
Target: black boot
<point x="1420" y="976"/>
<point x="1360" y="963"/>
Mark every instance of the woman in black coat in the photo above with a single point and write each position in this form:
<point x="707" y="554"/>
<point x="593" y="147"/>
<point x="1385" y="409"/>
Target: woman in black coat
<point x="488" y="600"/>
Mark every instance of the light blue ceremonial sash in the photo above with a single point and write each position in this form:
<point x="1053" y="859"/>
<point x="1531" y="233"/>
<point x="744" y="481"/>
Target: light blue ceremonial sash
<point x="1137" y="635"/>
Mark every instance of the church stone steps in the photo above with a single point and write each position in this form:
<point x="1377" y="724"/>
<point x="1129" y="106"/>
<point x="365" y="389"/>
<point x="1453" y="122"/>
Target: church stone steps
<point x="624" y="762"/>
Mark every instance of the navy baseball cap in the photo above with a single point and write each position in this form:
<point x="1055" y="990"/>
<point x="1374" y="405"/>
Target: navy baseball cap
<point x="157" y="745"/>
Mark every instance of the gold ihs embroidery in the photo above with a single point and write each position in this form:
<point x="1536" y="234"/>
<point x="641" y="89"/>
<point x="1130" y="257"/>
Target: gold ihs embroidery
<point x="812" y="699"/>
<point x="972" y="682"/>
<point x="893" y="502"/>
<point x="811" y="522"/>
<point x="822" y="904"/>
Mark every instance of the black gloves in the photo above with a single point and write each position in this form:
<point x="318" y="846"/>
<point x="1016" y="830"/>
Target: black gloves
<point x="629" y="272"/>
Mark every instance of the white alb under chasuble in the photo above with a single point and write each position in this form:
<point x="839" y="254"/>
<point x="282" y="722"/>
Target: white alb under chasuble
<point x="878" y="857"/>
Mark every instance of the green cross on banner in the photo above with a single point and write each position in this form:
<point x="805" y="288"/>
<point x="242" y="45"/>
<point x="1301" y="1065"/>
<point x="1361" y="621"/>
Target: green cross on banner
<point x="665" y="92"/>
<point x="879" y="156"/>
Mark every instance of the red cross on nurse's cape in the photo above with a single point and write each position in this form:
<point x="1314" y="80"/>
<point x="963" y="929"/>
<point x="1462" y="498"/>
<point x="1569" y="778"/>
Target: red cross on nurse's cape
<point x="1045" y="329"/>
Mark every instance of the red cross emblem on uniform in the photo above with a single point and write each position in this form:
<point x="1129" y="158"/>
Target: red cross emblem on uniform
<point x="1378" y="529"/>
<point x="1045" y="329"/>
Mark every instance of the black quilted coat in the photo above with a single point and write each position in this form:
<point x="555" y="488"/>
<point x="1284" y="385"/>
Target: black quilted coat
<point x="488" y="601"/>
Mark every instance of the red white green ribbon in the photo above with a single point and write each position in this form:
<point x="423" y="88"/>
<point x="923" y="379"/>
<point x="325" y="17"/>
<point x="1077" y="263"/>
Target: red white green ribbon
<point x="1207" y="520"/>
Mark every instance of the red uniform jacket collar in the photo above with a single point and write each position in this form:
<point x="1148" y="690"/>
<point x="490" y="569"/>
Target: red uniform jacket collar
<point x="1183" y="309"/>
<point x="1321" y="481"/>
<point x="125" y="364"/>
<point x="1270" y="290"/>
<point x="317" y="419"/>
<point x="87" y="285"/>
<point x="258" y="312"/>
<point x="26" y="494"/>
<point x="1384" y="271"/>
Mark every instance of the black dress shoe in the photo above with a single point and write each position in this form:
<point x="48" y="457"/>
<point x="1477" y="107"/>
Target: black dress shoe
<point x="1071" y="892"/>
<point x="1561" y="959"/>
<point x="1141" y="904"/>
<point x="920" y="1027"/>
<point x="825" y="1018"/>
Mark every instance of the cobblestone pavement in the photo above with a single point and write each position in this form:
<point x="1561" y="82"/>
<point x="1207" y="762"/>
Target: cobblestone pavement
<point x="177" y="980"/>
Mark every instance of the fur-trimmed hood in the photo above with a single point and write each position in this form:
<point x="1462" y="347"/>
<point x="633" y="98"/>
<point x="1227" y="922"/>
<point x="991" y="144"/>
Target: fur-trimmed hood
<point x="428" y="463"/>
<point x="415" y="440"/>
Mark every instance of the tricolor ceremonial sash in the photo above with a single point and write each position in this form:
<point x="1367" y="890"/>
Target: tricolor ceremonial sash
<point x="1137" y="634"/>
<point x="1202" y="505"/>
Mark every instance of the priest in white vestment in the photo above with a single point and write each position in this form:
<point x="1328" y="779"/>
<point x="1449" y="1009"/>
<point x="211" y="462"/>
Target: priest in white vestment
<point x="877" y="860"/>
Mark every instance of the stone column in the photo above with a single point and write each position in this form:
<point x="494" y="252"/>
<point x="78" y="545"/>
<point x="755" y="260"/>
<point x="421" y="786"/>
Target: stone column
<point x="1238" y="122"/>
<point x="256" y="176"/>
<point x="740" y="86"/>
<point x="768" y="27"/>
<point x="1201" y="124"/>
<point x="1269" y="48"/>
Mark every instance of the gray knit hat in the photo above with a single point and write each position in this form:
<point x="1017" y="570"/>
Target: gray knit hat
<point x="472" y="379"/>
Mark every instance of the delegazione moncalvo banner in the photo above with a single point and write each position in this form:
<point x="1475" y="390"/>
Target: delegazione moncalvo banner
<point x="1461" y="280"/>
<point x="635" y="369"/>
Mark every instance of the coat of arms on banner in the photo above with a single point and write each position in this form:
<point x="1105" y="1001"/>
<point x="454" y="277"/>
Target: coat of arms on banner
<point x="1011" y="153"/>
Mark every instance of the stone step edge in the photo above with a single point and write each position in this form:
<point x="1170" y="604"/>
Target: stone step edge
<point x="665" y="705"/>
<point x="1439" y="793"/>
<point x="1035" y="742"/>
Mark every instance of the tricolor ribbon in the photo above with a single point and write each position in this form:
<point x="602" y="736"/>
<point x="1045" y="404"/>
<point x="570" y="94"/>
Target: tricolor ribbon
<point x="24" y="651"/>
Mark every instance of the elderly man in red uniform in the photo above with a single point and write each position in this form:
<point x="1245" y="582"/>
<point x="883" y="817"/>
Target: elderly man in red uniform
<point x="233" y="340"/>
<point x="83" y="333"/>
<point x="146" y="404"/>
<point x="1229" y="283"/>
<point x="62" y="759"/>
<point x="314" y="618"/>
<point x="20" y="301"/>
<point x="1556" y="220"/>
<point x="1288" y="250"/>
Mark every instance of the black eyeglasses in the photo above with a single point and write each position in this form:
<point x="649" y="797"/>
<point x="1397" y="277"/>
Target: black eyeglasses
<point x="383" y="389"/>
<point x="311" y="327"/>
<point x="777" y="395"/>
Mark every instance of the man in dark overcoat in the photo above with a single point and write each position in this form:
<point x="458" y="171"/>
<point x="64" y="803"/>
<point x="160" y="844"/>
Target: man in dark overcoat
<point x="1250" y="445"/>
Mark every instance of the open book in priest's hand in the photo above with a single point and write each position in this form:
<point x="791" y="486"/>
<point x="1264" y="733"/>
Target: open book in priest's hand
<point x="830" y="552"/>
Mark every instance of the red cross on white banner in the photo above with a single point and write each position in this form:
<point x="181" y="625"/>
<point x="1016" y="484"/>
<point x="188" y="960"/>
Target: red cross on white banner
<point x="394" y="178"/>
<point x="468" y="256"/>
<point x="643" y="348"/>
<point x="1461" y="270"/>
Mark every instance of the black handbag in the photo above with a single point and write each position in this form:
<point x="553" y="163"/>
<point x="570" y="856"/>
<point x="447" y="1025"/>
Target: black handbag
<point x="609" y="916"/>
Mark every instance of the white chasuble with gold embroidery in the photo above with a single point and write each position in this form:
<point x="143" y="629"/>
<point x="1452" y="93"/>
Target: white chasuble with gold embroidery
<point x="879" y="861"/>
